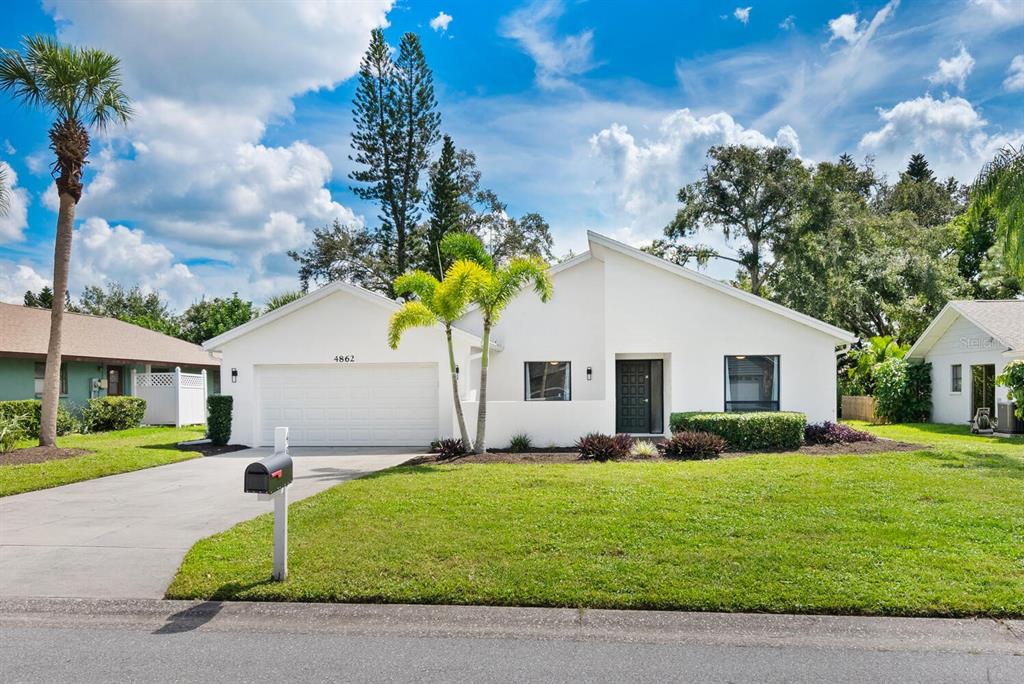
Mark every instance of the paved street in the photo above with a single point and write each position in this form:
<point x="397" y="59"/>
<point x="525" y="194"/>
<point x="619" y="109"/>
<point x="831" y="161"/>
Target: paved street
<point x="124" y="536"/>
<point x="101" y="641"/>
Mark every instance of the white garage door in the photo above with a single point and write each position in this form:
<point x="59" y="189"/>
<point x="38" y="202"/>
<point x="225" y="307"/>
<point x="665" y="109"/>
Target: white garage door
<point x="349" y="405"/>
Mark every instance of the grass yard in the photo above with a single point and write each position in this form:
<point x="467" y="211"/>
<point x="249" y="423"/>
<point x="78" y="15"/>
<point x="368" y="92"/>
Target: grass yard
<point x="112" y="453"/>
<point x="933" y="532"/>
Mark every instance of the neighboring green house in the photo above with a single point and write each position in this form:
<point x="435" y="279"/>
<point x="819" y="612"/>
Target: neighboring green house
<point x="99" y="355"/>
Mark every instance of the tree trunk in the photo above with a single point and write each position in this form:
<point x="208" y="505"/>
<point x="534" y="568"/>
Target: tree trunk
<point x="463" y="432"/>
<point x="481" y="415"/>
<point x="61" y="264"/>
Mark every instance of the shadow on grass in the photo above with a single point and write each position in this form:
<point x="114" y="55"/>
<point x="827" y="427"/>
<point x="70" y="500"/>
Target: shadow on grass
<point x="996" y="464"/>
<point x="233" y="590"/>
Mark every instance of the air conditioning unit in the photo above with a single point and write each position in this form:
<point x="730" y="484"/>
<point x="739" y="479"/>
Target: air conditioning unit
<point x="1006" y="419"/>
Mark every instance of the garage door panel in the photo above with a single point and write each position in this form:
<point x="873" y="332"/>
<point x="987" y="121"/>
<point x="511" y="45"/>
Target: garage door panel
<point x="375" y="404"/>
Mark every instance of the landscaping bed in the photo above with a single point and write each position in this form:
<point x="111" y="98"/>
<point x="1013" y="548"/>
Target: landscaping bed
<point x="39" y="454"/>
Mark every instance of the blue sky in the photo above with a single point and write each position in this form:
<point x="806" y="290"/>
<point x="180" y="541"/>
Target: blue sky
<point x="591" y="113"/>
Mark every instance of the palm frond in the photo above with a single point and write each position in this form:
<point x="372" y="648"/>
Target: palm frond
<point x="463" y="282"/>
<point x="419" y="283"/>
<point x="5" y="200"/>
<point x="466" y="246"/>
<point x="411" y="315"/>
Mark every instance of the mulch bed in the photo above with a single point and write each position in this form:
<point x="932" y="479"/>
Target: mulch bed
<point x="207" y="449"/>
<point x="39" y="454"/>
<point x="568" y="455"/>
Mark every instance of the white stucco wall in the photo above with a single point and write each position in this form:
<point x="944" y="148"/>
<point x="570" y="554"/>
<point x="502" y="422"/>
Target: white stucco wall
<point x="339" y="324"/>
<point x="965" y="344"/>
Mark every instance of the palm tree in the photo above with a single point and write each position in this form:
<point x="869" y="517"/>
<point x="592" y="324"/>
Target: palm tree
<point x="492" y="288"/>
<point x="438" y="301"/>
<point x="4" y="192"/>
<point x="1000" y="186"/>
<point x="81" y="87"/>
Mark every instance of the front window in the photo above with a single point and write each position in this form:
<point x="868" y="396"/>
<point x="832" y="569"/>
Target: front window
<point x="548" y="381"/>
<point x="956" y="378"/>
<point x="752" y="383"/>
<point x="41" y="378"/>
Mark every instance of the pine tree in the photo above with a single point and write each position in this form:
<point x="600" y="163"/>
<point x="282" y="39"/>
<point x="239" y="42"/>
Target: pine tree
<point x="445" y="205"/>
<point x="918" y="169"/>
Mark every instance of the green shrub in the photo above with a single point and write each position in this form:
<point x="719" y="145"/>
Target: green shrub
<point x="743" y="431"/>
<point x="692" y="445"/>
<point x="644" y="448"/>
<point x="1012" y="378"/>
<point x="446" y="449"/>
<point x="104" y="414"/>
<point x="218" y="420"/>
<point x="903" y="391"/>
<point x="28" y="412"/>
<point x="10" y="432"/>
<point x="520" y="443"/>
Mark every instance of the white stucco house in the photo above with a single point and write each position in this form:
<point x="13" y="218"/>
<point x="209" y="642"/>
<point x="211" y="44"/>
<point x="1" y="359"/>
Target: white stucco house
<point x="968" y="345"/>
<point x="626" y="339"/>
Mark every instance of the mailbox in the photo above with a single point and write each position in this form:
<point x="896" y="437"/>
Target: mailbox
<point x="270" y="474"/>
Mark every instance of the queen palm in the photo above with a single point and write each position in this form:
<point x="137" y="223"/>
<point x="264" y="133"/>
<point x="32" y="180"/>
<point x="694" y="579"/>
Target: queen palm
<point x="439" y="301"/>
<point x="82" y="88"/>
<point x="1000" y="186"/>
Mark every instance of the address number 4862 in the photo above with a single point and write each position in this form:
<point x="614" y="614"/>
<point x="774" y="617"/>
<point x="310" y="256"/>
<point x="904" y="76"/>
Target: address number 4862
<point x="346" y="358"/>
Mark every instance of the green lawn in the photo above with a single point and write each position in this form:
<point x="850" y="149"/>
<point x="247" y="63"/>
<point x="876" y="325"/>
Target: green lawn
<point x="933" y="532"/>
<point x="114" y="452"/>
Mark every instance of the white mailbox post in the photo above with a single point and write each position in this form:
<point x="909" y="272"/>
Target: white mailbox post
<point x="269" y="478"/>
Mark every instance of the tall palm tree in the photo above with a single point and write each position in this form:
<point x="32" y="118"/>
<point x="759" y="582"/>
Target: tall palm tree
<point x="492" y="288"/>
<point x="82" y="88"/>
<point x="438" y="301"/>
<point x="1000" y="186"/>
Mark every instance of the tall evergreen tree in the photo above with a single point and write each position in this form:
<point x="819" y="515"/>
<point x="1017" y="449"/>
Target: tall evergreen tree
<point x="918" y="169"/>
<point x="446" y="206"/>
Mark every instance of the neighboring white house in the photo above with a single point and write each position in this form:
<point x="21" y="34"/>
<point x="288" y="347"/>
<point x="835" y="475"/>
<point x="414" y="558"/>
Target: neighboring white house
<point x="968" y="344"/>
<point x="626" y="339"/>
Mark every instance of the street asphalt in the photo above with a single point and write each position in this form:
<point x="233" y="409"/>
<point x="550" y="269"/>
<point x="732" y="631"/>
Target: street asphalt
<point x="48" y="640"/>
<point x="124" y="536"/>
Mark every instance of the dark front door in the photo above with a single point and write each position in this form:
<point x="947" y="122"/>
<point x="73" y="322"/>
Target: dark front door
<point x="638" y="396"/>
<point x="115" y="381"/>
<point x="983" y="389"/>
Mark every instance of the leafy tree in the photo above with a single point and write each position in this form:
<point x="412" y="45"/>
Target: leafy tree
<point x="1012" y="378"/>
<point x="132" y="305"/>
<point x="396" y="124"/>
<point x="343" y="253"/>
<point x="980" y="252"/>
<point x="81" y="87"/>
<point x="439" y="302"/>
<point x="208" y="318"/>
<point x="917" y="191"/>
<point x="279" y="300"/>
<point x="752" y="195"/>
<point x="918" y="169"/>
<point x="999" y="191"/>
<point x="865" y="358"/>
<point x="491" y="288"/>
<point x="44" y="299"/>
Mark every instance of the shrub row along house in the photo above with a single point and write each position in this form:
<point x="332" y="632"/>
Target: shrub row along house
<point x="626" y="340"/>
<point x="101" y="357"/>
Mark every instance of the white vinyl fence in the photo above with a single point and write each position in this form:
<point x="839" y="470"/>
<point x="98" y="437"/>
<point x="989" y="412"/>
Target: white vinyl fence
<point x="172" y="398"/>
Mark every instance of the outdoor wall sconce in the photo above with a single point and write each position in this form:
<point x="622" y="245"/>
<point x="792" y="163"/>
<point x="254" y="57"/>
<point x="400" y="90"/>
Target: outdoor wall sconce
<point x="590" y="373"/>
<point x="234" y="375"/>
<point x="456" y="372"/>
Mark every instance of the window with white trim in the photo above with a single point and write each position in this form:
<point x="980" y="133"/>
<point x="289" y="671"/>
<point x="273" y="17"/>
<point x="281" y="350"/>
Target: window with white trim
<point x="751" y="383"/>
<point x="548" y="381"/>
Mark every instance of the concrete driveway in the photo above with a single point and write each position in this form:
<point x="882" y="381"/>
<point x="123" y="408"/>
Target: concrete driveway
<point x="124" y="536"/>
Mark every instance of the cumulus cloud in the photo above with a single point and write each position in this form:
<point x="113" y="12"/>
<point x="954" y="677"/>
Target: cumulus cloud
<point x="742" y="14"/>
<point x="193" y="168"/>
<point x="557" y="58"/>
<point x="954" y="70"/>
<point x="641" y="177"/>
<point x="788" y="24"/>
<point x="16" y="279"/>
<point x="441" y="21"/>
<point x="15" y="221"/>
<point x="1014" y="81"/>
<point x="950" y="132"/>
<point x="845" y="27"/>
<point x="1008" y="11"/>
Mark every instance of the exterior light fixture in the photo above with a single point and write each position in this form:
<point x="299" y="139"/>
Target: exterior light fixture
<point x="234" y="375"/>
<point x="456" y="372"/>
<point x="740" y="358"/>
<point x="590" y="373"/>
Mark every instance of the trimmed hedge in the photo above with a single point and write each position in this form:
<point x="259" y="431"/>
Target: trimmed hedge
<point x="747" y="431"/>
<point x="28" y="412"/>
<point x="218" y="419"/>
<point x="104" y="414"/>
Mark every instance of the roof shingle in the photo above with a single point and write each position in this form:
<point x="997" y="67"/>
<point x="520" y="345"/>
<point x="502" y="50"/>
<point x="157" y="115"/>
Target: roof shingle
<point x="1003" y="318"/>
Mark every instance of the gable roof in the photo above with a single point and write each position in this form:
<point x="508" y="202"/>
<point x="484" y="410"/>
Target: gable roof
<point x="707" y="281"/>
<point x="1002" y="319"/>
<point x="25" y="331"/>
<point x="311" y="298"/>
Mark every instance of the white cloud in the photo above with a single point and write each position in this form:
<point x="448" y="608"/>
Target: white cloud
<point x="954" y="70"/>
<point x="950" y="132"/>
<point x="742" y="14"/>
<point x="1008" y="11"/>
<point x="9" y="148"/>
<point x="441" y="21"/>
<point x="1014" y="81"/>
<point x="845" y="27"/>
<point x="192" y="167"/>
<point x="788" y="24"/>
<point x="557" y="58"/>
<point x="15" y="221"/>
<point x="16" y="279"/>
<point x="641" y="177"/>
